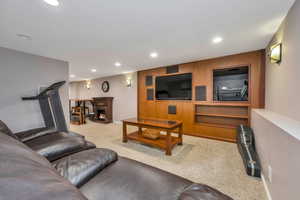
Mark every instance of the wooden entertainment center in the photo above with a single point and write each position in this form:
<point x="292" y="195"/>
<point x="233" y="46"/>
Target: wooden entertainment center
<point x="203" y="116"/>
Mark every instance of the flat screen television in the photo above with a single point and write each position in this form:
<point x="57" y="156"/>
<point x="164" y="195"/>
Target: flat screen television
<point x="174" y="87"/>
<point x="231" y="84"/>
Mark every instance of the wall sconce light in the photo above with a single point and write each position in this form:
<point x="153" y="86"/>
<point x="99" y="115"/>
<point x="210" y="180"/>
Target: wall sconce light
<point x="88" y="84"/>
<point x="128" y="82"/>
<point x="276" y="53"/>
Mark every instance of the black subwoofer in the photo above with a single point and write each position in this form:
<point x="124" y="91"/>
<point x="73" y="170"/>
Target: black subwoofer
<point x="172" y="109"/>
<point x="149" y="80"/>
<point x="200" y="93"/>
<point x="150" y="94"/>
<point x="172" y="69"/>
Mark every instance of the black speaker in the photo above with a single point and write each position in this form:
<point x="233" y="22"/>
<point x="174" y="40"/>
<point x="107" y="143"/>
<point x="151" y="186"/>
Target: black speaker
<point x="172" y="110"/>
<point x="172" y="69"/>
<point x="149" y="81"/>
<point x="200" y="93"/>
<point x="150" y="94"/>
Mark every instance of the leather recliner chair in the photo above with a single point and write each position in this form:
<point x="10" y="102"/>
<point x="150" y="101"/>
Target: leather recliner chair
<point x="49" y="142"/>
<point x="94" y="174"/>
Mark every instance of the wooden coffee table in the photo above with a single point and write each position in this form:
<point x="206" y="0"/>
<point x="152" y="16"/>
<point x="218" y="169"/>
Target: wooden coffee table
<point x="165" y="142"/>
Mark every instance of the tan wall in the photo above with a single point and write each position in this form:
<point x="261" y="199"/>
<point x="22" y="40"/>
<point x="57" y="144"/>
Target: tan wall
<point x="283" y="80"/>
<point x="125" y="98"/>
<point x="278" y="147"/>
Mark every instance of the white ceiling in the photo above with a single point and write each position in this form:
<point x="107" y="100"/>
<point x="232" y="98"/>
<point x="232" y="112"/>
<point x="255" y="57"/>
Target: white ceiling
<point x="97" y="33"/>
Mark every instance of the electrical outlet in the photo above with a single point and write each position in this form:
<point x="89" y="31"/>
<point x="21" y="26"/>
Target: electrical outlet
<point x="270" y="173"/>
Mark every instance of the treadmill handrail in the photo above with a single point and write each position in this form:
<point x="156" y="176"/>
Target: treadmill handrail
<point x="42" y="94"/>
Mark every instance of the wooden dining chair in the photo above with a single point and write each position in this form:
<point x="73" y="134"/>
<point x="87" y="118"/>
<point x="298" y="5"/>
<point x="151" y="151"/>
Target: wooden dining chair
<point x="77" y="116"/>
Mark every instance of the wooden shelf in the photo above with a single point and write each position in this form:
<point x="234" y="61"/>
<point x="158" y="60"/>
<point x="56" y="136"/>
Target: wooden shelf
<point x="160" y="143"/>
<point x="223" y="115"/>
<point x="224" y="104"/>
<point x="217" y="125"/>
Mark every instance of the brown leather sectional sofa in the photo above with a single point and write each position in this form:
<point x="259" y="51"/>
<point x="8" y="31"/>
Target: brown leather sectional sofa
<point x="64" y="166"/>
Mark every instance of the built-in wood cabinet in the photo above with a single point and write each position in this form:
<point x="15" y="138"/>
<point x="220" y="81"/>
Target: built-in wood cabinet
<point x="210" y="119"/>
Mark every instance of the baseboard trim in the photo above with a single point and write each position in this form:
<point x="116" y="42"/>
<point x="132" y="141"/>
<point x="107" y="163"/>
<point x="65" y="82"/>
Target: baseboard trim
<point x="266" y="187"/>
<point x="117" y="122"/>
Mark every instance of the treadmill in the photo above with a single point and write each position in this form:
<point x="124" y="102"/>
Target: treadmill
<point x="52" y="112"/>
<point x="53" y="140"/>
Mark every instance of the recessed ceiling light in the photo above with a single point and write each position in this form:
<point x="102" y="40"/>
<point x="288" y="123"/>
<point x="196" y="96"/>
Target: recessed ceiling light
<point x="217" y="40"/>
<point x="25" y="37"/>
<point x="93" y="70"/>
<point x="117" y="64"/>
<point x="153" y="55"/>
<point x="52" y="2"/>
<point x="72" y="76"/>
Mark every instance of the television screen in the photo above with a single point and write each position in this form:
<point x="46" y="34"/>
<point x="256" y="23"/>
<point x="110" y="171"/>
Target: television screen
<point x="174" y="87"/>
<point x="231" y="84"/>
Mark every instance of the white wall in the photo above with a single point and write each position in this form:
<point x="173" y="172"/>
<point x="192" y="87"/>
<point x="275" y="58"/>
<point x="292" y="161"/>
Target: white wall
<point x="125" y="98"/>
<point x="21" y="74"/>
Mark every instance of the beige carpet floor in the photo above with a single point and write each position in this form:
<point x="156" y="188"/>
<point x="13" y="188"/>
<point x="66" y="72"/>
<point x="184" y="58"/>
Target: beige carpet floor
<point x="217" y="164"/>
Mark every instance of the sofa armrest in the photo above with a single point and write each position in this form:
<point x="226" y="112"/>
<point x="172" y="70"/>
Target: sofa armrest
<point x="75" y="134"/>
<point x="25" y="136"/>
<point x="80" y="167"/>
<point x="202" y="192"/>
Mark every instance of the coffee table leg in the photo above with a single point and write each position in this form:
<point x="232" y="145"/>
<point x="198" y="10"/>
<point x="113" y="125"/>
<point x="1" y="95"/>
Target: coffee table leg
<point x="140" y="131"/>
<point x="124" y="132"/>
<point x="180" y="135"/>
<point x="168" y="144"/>
<point x="84" y="112"/>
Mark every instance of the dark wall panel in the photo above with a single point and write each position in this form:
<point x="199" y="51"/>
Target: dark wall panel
<point x="150" y="94"/>
<point x="149" y="81"/>
<point x="172" y="109"/>
<point x="173" y="69"/>
<point x="200" y="93"/>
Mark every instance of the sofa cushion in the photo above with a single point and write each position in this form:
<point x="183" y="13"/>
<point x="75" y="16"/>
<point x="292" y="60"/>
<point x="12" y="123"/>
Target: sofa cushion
<point x="132" y="180"/>
<point x="28" y="176"/>
<point x="80" y="167"/>
<point x="6" y="130"/>
<point x="56" y="145"/>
